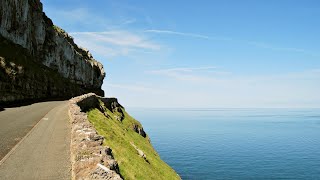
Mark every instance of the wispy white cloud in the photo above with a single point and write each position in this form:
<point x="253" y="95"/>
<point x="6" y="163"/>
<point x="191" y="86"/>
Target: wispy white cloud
<point x="251" y="43"/>
<point x="76" y="14"/>
<point x="284" y="49"/>
<point x="185" y="69"/>
<point x="302" y="75"/>
<point x="191" y="74"/>
<point x="98" y="49"/>
<point x="193" y="35"/>
<point x="79" y="17"/>
<point x="119" y="38"/>
<point x="115" y="43"/>
<point x="214" y="75"/>
<point x="129" y="21"/>
<point x="135" y="87"/>
<point x="82" y="17"/>
<point x="295" y="89"/>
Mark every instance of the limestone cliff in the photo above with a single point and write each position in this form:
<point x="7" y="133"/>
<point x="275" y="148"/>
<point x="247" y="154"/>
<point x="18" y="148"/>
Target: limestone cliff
<point x="40" y="60"/>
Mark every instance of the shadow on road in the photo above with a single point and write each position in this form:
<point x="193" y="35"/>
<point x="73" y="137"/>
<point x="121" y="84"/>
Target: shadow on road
<point x="28" y="102"/>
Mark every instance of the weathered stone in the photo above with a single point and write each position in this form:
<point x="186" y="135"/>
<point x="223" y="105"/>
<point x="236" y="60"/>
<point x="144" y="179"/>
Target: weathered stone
<point x="106" y="151"/>
<point x="90" y="160"/>
<point x="113" y="165"/>
<point x="102" y="172"/>
<point x="139" y="151"/>
<point x="113" y="106"/>
<point x="96" y="137"/>
<point x="27" y="35"/>
<point x="141" y="154"/>
<point x="139" y="130"/>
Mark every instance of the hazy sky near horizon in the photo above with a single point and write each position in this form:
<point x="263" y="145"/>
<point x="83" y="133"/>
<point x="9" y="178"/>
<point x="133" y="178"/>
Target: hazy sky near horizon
<point x="204" y="53"/>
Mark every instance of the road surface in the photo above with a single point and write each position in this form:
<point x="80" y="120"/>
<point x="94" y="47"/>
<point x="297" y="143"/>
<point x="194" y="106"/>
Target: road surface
<point x="37" y="138"/>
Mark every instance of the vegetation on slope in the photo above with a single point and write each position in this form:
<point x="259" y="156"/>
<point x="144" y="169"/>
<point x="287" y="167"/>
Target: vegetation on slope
<point x="120" y="136"/>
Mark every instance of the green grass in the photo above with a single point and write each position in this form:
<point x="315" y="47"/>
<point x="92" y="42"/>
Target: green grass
<point x="118" y="136"/>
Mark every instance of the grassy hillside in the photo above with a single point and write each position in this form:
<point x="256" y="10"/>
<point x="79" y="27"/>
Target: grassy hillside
<point x="120" y="136"/>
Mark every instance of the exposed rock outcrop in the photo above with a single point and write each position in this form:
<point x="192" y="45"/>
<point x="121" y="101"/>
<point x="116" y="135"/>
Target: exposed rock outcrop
<point x="113" y="106"/>
<point x="39" y="59"/>
<point x="139" y="151"/>
<point x="138" y="129"/>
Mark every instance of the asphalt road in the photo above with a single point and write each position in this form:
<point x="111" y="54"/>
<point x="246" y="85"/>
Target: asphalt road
<point x="38" y="138"/>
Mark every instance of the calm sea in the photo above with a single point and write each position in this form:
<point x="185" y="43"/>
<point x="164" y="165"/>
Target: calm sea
<point x="236" y="143"/>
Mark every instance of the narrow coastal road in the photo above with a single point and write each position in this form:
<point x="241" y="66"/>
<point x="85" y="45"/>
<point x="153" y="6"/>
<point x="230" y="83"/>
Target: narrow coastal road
<point x="16" y="122"/>
<point x="43" y="152"/>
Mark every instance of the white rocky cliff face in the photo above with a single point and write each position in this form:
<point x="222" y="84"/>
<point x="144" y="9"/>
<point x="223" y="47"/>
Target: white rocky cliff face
<point x="24" y="23"/>
<point x="40" y="60"/>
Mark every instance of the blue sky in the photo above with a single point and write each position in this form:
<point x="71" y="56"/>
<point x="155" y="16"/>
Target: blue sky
<point x="206" y="53"/>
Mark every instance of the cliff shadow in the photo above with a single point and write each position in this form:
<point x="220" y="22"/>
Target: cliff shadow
<point x="16" y="104"/>
<point x="28" y="102"/>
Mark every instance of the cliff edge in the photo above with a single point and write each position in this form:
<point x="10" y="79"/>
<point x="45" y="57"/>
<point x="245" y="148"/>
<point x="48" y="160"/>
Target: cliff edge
<point x="38" y="60"/>
<point x="107" y="143"/>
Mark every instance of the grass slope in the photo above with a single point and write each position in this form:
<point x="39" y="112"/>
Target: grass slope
<point x="118" y="135"/>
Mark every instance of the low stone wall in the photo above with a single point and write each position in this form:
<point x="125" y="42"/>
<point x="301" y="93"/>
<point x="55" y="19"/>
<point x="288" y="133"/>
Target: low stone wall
<point x="89" y="158"/>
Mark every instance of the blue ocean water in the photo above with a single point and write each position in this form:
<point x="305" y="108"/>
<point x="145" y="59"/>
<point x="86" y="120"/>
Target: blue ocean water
<point x="236" y="143"/>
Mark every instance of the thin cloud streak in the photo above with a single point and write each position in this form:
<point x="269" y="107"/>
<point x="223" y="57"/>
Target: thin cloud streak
<point x="191" y="74"/>
<point x="129" y="21"/>
<point x="136" y="88"/>
<point x="268" y="46"/>
<point x="115" y="43"/>
<point x="120" y="38"/>
<point x="295" y="89"/>
<point x="185" y="69"/>
<point x="251" y="43"/>
<point x="213" y="74"/>
<point x="193" y="35"/>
